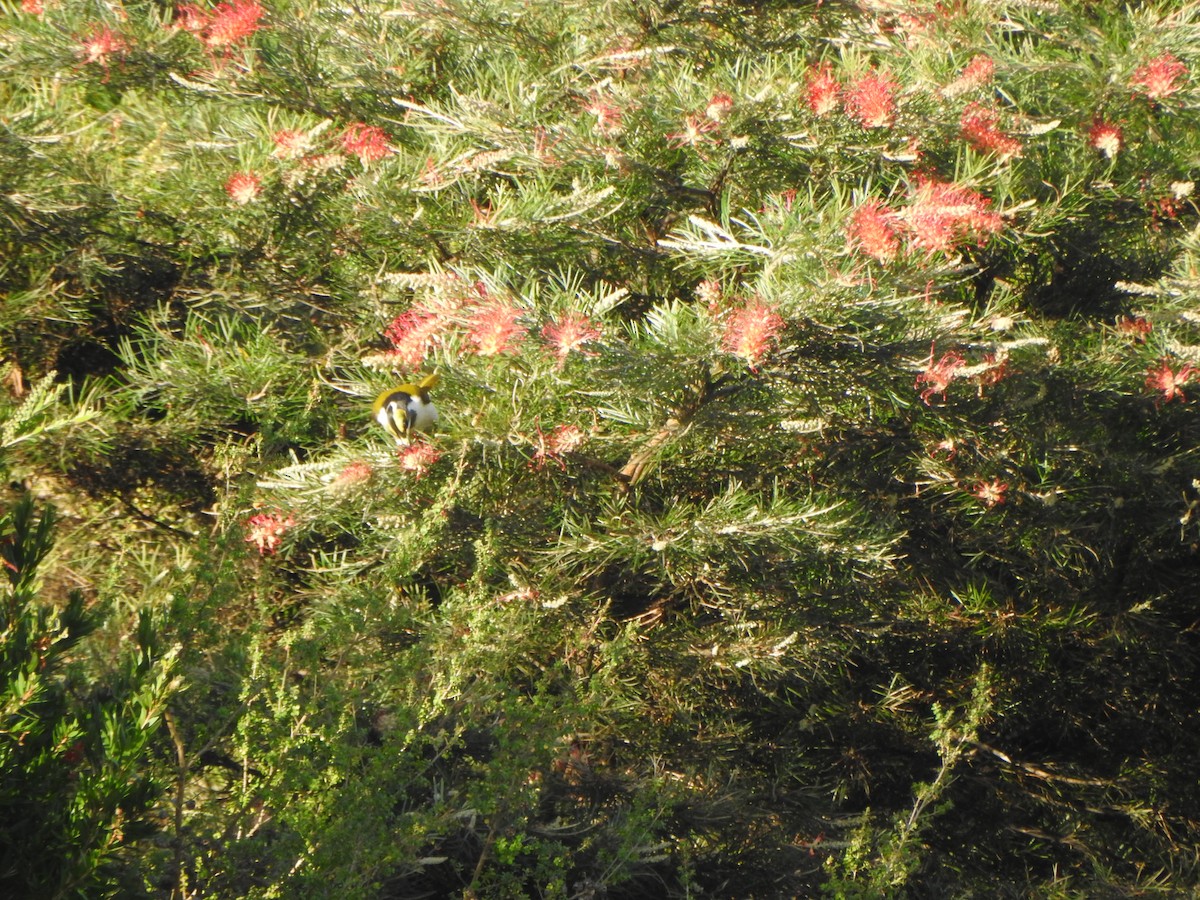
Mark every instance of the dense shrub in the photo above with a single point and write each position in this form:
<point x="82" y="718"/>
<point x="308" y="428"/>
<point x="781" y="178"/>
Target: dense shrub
<point x="812" y="507"/>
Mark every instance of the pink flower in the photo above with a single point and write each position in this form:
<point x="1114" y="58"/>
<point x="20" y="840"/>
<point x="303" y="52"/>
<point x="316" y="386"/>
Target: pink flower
<point x="1170" y="383"/>
<point x="355" y="472"/>
<point x="1159" y="77"/>
<point x="719" y="106"/>
<point x="938" y="375"/>
<point x="695" y="132"/>
<point x="871" y="100"/>
<point x="995" y="372"/>
<point x="33" y="7"/>
<point x="231" y="23"/>
<point x="979" y="126"/>
<point x="709" y="293"/>
<point x="553" y="446"/>
<point x="821" y="90"/>
<point x="413" y="334"/>
<point x="991" y="493"/>
<point x="873" y="227"/>
<point x="609" y="117"/>
<point x="418" y="458"/>
<point x="751" y="330"/>
<point x="243" y="187"/>
<point x="191" y="19"/>
<point x="940" y="215"/>
<point x="1105" y="137"/>
<point x="947" y="449"/>
<point x="495" y="329"/>
<point x="368" y="142"/>
<point x="1135" y="327"/>
<point x="978" y="72"/>
<point x="224" y="26"/>
<point x="267" y="531"/>
<point x="290" y="143"/>
<point x="100" y="44"/>
<point x="569" y="333"/>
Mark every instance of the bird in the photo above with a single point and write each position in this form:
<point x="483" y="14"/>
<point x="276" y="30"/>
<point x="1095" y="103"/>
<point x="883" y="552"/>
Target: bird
<point x="407" y="408"/>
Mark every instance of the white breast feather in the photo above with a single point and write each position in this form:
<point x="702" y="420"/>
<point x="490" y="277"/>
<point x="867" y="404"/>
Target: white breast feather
<point x="426" y="414"/>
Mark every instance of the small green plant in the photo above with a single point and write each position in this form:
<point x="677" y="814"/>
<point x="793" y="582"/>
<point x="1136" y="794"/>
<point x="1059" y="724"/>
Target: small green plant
<point x="879" y="862"/>
<point x="76" y="782"/>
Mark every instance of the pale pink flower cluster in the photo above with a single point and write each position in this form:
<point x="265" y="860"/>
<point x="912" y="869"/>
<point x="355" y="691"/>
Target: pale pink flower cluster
<point x="553" y="445"/>
<point x="1170" y="382"/>
<point x="266" y="531"/>
<point x="980" y="125"/>
<point x="751" y="330"/>
<point x="418" y="458"/>
<point x="223" y="27"/>
<point x="939" y="373"/>
<point x="243" y="187"/>
<point x="938" y="216"/>
<point x="569" y="334"/>
<point x="1160" y="77"/>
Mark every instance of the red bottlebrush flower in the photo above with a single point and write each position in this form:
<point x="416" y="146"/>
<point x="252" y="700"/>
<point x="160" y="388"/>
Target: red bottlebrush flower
<point x="224" y="26"/>
<point x="695" y="132"/>
<point x="1105" y="137"/>
<point x="821" y="90"/>
<point x="1135" y="327"/>
<point x="290" y="144"/>
<point x="938" y="375"/>
<point x="418" y="458"/>
<point x="368" y="142"/>
<point x="940" y="215"/>
<point x="947" y="449"/>
<point x="871" y="100"/>
<point x="979" y="126"/>
<point x="192" y="19"/>
<point x="356" y="472"/>
<point x="873" y="227"/>
<point x="610" y="119"/>
<point x="524" y="594"/>
<point x="413" y="334"/>
<point x="553" y="446"/>
<point x="996" y="371"/>
<point x="33" y="7"/>
<point x="978" y="72"/>
<point x="267" y="531"/>
<point x="231" y="23"/>
<point x="991" y="493"/>
<point x="100" y="44"/>
<point x="750" y="331"/>
<point x="73" y="755"/>
<point x="243" y="187"/>
<point x="495" y="329"/>
<point x="1159" y="78"/>
<point x="719" y="106"/>
<point x="571" y="332"/>
<point x="1163" y="208"/>
<point x="1169" y="382"/>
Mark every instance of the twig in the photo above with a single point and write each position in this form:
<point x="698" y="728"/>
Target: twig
<point x="179" y="889"/>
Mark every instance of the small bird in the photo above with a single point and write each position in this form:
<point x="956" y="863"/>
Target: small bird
<point x="407" y="408"/>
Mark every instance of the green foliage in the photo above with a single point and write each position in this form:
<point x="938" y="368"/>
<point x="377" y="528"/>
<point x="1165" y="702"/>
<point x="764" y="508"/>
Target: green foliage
<point x="813" y="502"/>
<point x="77" y="789"/>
